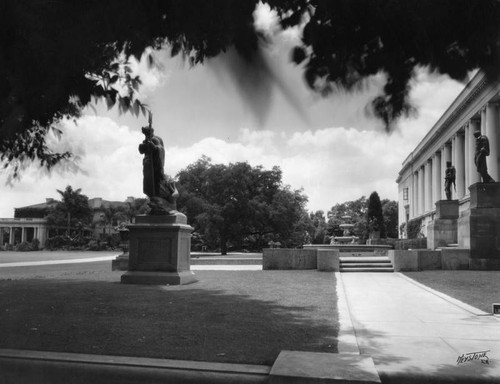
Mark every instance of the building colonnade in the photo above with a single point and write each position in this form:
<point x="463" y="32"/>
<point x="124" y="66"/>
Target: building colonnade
<point x="14" y="231"/>
<point x="427" y="182"/>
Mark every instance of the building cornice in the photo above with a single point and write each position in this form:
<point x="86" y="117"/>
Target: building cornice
<point x="471" y="94"/>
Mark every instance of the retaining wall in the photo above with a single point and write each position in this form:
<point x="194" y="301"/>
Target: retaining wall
<point x="424" y="259"/>
<point x="284" y="258"/>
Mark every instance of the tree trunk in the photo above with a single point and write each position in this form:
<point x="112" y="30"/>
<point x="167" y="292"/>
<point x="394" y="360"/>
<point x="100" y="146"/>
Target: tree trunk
<point x="69" y="224"/>
<point x="223" y="245"/>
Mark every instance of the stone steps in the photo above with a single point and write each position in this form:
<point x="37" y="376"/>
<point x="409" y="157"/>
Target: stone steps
<point x="226" y="261"/>
<point x="365" y="264"/>
<point x="366" y="269"/>
<point x="363" y="254"/>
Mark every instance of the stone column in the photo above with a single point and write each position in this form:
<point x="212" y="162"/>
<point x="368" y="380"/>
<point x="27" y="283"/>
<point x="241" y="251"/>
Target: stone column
<point x="11" y="235"/>
<point x="42" y="235"/>
<point x="428" y="186"/>
<point x="492" y="128"/>
<point x="421" y="190"/>
<point x="422" y="179"/>
<point x="466" y="159"/>
<point x="454" y="159"/>
<point x="23" y="234"/>
<point x="436" y="177"/>
<point x="483" y="121"/>
<point x="460" y="165"/>
<point x="414" y="195"/>
<point x="473" y="175"/>
<point x="1" y="236"/>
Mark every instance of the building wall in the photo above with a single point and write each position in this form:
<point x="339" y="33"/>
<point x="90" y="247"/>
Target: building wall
<point x="19" y="229"/>
<point x="451" y="139"/>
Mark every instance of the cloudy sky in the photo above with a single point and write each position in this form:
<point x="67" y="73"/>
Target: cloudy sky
<point x="330" y="147"/>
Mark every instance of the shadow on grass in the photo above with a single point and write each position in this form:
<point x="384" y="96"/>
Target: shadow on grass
<point x="226" y="317"/>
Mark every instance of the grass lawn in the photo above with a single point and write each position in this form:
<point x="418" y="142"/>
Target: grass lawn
<point x="477" y="288"/>
<point x="227" y="316"/>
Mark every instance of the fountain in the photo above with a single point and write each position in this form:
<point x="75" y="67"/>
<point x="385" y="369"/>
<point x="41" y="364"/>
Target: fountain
<point x="347" y="236"/>
<point x="348" y="244"/>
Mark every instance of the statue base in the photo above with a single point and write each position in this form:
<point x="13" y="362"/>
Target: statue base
<point x="159" y="250"/>
<point x="479" y="227"/>
<point x="443" y="229"/>
<point x="159" y="278"/>
<point x="120" y="263"/>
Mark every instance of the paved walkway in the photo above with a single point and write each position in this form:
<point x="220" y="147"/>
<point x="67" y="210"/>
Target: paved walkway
<point x="417" y="335"/>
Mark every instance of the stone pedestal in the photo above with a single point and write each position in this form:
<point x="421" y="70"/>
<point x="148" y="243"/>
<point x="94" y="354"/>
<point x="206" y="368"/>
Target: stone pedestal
<point x="443" y="230"/>
<point x="120" y="263"/>
<point x="159" y="251"/>
<point x="479" y="228"/>
<point x="328" y="260"/>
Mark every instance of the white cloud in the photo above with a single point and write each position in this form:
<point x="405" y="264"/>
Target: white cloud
<point x="332" y="165"/>
<point x="151" y="77"/>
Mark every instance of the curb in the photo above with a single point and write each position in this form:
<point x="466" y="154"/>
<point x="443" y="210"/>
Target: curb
<point x="21" y="366"/>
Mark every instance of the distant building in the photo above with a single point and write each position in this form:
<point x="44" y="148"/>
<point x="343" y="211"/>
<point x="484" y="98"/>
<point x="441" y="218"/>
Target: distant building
<point x="30" y="222"/>
<point x="421" y="179"/>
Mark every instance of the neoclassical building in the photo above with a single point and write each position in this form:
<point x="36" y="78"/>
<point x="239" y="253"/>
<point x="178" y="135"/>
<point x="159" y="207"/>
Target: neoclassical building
<point x="421" y="179"/>
<point x="30" y="223"/>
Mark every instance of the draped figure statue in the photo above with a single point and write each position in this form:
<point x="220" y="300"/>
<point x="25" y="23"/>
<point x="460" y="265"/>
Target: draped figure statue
<point x="159" y="187"/>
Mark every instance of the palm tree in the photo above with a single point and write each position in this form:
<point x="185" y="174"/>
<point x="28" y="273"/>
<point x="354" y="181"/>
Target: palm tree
<point x="112" y="214"/>
<point x="75" y="206"/>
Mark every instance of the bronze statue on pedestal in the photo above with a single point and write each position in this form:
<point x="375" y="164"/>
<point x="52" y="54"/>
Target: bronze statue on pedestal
<point x="482" y="150"/>
<point x="158" y="186"/>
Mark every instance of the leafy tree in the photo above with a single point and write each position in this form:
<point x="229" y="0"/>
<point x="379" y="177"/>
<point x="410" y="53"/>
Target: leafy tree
<point x="317" y="229"/>
<point x="73" y="211"/>
<point x="287" y="221"/>
<point x="111" y="216"/>
<point x="345" y="41"/>
<point x="136" y="207"/>
<point x="55" y="56"/>
<point x="240" y="206"/>
<point x="374" y="215"/>
<point x="390" y="213"/>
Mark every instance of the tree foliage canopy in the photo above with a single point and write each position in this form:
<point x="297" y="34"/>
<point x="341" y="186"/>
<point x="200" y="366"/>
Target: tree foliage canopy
<point x="344" y="41"/>
<point x="317" y="228"/>
<point x="55" y="56"/>
<point x="73" y="211"/>
<point x="390" y="213"/>
<point x="374" y="215"/>
<point x="240" y="206"/>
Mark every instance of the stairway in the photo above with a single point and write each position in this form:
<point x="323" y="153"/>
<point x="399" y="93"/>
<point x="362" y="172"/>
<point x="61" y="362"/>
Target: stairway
<point x="365" y="264"/>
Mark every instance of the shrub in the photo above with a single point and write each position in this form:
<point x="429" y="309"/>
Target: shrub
<point x="26" y="246"/>
<point x="65" y="242"/>
<point x="414" y="229"/>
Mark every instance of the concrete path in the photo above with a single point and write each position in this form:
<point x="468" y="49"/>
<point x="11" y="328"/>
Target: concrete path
<point x="54" y="257"/>
<point x="210" y="261"/>
<point x="417" y="335"/>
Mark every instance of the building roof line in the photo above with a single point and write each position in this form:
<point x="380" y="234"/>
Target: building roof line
<point x="470" y="92"/>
